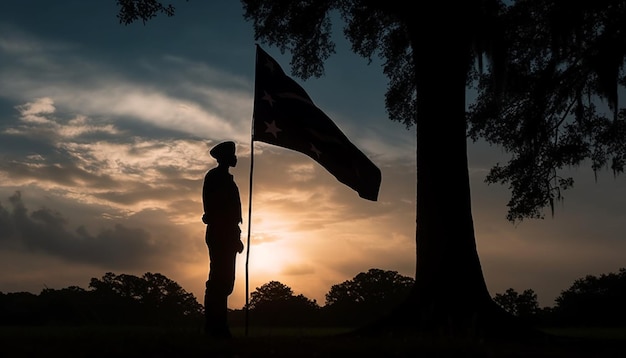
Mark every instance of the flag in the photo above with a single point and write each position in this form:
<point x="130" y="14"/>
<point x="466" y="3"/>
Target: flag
<point x="284" y="115"/>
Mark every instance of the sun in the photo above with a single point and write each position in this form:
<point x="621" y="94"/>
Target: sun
<point x="272" y="243"/>
<point x="265" y="261"/>
<point x="269" y="258"/>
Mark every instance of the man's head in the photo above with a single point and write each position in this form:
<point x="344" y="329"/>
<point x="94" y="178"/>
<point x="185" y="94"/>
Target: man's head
<point x="224" y="153"/>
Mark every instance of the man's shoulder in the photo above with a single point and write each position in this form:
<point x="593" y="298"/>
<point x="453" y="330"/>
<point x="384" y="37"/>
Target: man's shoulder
<point x="214" y="173"/>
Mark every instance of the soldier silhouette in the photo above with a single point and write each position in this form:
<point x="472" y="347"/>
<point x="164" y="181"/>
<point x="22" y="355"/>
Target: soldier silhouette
<point x="222" y="215"/>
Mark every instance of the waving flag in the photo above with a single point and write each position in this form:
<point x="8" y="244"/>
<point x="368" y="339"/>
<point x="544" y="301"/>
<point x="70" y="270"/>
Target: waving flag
<point x="284" y="115"/>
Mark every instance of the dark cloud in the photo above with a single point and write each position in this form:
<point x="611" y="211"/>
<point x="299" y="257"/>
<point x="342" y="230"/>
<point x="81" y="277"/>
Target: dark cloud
<point x="47" y="231"/>
<point x="12" y="146"/>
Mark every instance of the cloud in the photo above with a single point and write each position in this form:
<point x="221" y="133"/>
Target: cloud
<point x="35" y="111"/>
<point x="133" y="172"/>
<point x="44" y="230"/>
<point x="183" y="98"/>
<point x="36" y="119"/>
<point x="172" y="93"/>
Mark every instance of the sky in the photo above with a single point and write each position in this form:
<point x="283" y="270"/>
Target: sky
<point x="104" y="137"/>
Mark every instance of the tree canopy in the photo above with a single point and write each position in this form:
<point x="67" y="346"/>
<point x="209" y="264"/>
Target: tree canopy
<point x="523" y="305"/>
<point x="152" y="299"/>
<point x="558" y="106"/>
<point x="274" y="303"/>
<point x="144" y="10"/>
<point x="367" y="295"/>
<point x="594" y="300"/>
<point x="374" y="286"/>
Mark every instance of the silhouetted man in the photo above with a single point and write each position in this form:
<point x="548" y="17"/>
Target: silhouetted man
<point x="222" y="215"/>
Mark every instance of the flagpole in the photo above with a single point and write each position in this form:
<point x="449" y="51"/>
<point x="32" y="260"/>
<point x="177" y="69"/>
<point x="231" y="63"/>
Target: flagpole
<point x="249" y="226"/>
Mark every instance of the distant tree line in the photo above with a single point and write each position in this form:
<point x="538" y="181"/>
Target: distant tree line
<point x="590" y="301"/>
<point x="365" y="297"/>
<point x="153" y="299"/>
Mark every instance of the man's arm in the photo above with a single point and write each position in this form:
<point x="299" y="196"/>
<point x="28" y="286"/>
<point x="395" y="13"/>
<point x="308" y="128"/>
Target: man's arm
<point x="208" y="193"/>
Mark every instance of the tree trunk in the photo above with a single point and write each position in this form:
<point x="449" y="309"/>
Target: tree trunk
<point x="449" y="285"/>
<point x="450" y="299"/>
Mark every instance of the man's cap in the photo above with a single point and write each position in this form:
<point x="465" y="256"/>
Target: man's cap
<point x="223" y="150"/>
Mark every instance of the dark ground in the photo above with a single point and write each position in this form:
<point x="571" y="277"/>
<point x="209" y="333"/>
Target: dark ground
<point x="142" y="342"/>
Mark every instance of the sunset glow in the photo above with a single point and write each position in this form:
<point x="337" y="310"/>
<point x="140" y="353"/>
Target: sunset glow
<point x="104" y="139"/>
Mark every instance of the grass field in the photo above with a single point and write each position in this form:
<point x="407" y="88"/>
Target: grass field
<point x="136" y="342"/>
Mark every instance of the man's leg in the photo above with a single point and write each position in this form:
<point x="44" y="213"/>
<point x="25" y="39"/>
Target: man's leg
<point x="220" y="282"/>
<point x="209" y="308"/>
<point x="218" y="288"/>
<point x="216" y="312"/>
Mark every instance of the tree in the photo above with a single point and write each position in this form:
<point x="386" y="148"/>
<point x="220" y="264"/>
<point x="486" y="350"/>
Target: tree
<point x="167" y="296"/>
<point x="549" y="115"/>
<point x="374" y="286"/>
<point x="367" y="296"/>
<point x="274" y="303"/>
<point x="270" y="293"/>
<point x="524" y="305"/>
<point x="429" y="66"/>
<point x="555" y="56"/>
<point x="20" y="308"/>
<point x="70" y="305"/>
<point x="133" y="10"/>
<point x="150" y="299"/>
<point x="594" y="301"/>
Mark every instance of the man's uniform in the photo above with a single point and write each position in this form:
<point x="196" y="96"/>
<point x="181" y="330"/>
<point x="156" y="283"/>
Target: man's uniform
<point x="222" y="214"/>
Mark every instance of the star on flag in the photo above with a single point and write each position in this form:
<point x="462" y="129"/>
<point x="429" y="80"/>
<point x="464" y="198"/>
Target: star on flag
<point x="271" y="128"/>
